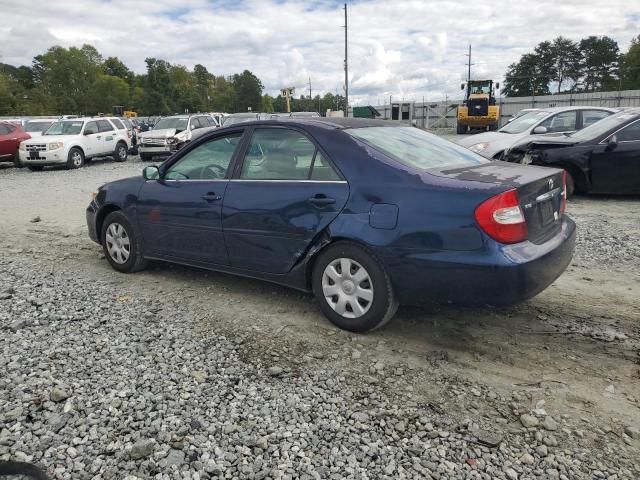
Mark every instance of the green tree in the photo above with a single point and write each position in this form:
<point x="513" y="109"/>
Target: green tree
<point x="566" y="60"/>
<point x="114" y="67"/>
<point x="600" y="63"/>
<point x="630" y="66"/>
<point x="204" y="84"/>
<point x="222" y="95"/>
<point x="527" y="77"/>
<point x="247" y="92"/>
<point x="108" y="91"/>
<point x="267" y="103"/>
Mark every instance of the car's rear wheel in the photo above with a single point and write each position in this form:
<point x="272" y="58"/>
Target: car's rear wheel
<point x="120" y="153"/>
<point x="460" y="129"/>
<point x="352" y="288"/>
<point x="120" y="244"/>
<point x="75" y="159"/>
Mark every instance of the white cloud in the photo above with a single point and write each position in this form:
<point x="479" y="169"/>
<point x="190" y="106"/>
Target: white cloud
<point x="408" y="48"/>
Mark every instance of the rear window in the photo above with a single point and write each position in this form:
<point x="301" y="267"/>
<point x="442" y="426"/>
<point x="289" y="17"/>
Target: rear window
<point x="415" y="147"/>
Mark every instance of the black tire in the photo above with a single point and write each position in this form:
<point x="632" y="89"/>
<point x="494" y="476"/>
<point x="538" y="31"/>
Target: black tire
<point x="121" y="152"/>
<point x="75" y="158"/>
<point x="460" y="129"/>
<point x="145" y="157"/>
<point x="16" y="160"/>
<point x="493" y="128"/>
<point x="571" y="184"/>
<point x="36" y="168"/>
<point x="134" y="262"/>
<point x="378" y="311"/>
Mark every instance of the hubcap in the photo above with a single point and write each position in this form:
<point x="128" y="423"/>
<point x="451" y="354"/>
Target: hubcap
<point x="122" y="153"/>
<point x="118" y="244"/>
<point x="347" y="288"/>
<point x="77" y="159"/>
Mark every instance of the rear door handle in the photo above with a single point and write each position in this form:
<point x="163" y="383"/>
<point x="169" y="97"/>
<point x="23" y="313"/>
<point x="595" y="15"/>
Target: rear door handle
<point x="322" y="200"/>
<point x="211" y="197"/>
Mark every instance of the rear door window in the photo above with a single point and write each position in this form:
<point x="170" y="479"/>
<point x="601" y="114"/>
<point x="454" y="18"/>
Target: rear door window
<point x="561" y="122"/>
<point x="105" y="126"/>
<point x="589" y="117"/>
<point x="118" y="124"/>
<point x="91" y="126"/>
<point x="282" y="154"/>
<point x="3" y="129"/>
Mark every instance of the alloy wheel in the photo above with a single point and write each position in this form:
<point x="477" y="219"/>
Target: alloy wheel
<point x="76" y="158"/>
<point x="347" y="287"/>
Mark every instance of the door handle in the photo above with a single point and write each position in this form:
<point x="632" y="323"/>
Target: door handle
<point x="321" y="200"/>
<point x="211" y="197"/>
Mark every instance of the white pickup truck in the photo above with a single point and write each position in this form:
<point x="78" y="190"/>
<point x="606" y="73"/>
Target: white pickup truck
<point x="170" y="133"/>
<point x="71" y="142"/>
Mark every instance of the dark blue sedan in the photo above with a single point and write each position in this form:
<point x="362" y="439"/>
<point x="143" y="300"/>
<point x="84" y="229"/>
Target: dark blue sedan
<point x="365" y="214"/>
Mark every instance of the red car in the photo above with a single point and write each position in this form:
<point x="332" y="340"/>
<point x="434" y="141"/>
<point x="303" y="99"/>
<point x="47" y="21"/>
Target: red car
<point x="10" y="137"/>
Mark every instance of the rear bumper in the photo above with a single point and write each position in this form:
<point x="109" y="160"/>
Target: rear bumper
<point x="501" y="275"/>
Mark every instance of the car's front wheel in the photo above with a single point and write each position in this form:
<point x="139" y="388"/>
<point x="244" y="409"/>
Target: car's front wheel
<point x="352" y="288"/>
<point x="75" y="159"/>
<point x="120" y="153"/>
<point x="120" y="244"/>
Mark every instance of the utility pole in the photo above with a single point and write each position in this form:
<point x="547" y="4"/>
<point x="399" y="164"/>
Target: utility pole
<point x="309" y="88"/>
<point x="346" y="67"/>
<point x="469" y="64"/>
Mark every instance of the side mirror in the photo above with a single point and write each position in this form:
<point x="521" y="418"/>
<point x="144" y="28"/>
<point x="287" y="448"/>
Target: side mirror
<point x="462" y="86"/>
<point x="90" y="131"/>
<point x="151" y="172"/>
<point x="539" y="130"/>
<point x="193" y="126"/>
<point x="498" y="86"/>
<point x="612" y="144"/>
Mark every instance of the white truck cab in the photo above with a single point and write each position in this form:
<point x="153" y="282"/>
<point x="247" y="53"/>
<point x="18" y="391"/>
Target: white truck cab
<point x="71" y="142"/>
<point x="171" y="133"/>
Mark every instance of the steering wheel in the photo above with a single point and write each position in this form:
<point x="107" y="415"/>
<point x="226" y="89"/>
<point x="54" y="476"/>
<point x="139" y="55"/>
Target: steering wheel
<point x="213" y="171"/>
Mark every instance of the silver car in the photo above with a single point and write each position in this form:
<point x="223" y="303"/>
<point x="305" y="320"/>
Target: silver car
<point x="547" y="122"/>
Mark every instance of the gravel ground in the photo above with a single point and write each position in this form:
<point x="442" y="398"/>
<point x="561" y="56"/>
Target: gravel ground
<point x="178" y="373"/>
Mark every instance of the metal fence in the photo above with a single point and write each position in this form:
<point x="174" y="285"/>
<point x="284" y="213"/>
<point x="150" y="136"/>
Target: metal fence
<point x="442" y="114"/>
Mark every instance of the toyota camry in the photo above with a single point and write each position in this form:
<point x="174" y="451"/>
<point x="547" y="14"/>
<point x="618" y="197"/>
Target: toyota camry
<point x="365" y="214"/>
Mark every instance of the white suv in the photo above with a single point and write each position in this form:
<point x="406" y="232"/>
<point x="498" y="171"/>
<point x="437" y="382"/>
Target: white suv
<point x="71" y="142"/>
<point x="171" y="133"/>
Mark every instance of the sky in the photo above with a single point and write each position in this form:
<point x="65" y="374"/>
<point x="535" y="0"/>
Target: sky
<point x="404" y="49"/>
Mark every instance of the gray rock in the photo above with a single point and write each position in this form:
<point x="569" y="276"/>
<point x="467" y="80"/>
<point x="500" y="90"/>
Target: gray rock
<point x="57" y="422"/>
<point x="632" y="432"/>
<point x="275" y="371"/>
<point x="542" y="450"/>
<point x="550" y="441"/>
<point x="175" y="457"/>
<point x="142" y="449"/>
<point x="14" y="414"/>
<point x="35" y="219"/>
<point x="511" y="474"/>
<point x="549" y="424"/>
<point x="490" y="439"/>
<point x="528" y="421"/>
<point x="361" y="417"/>
<point x="58" y="395"/>
<point x="527" y="459"/>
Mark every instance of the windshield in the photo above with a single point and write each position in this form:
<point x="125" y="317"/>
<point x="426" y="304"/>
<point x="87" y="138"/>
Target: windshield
<point x="416" y="147"/>
<point x="238" y="119"/>
<point x="520" y="124"/>
<point x="480" y="88"/>
<point x="602" y="126"/>
<point x="37" y="126"/>
<point x="172" y="122"/>
<point x="67" y="127"/>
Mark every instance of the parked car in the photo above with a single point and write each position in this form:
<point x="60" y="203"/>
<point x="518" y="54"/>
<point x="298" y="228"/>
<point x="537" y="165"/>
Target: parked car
<point x="72" y="142"/>
<point x="602" y="158"/>
<point x="171" y="133"/>
<point x="11" y="136"/>
<point x="125" y="129"/>
<point x="554" y="121"/>
<point x="37" y="126"/>
<point x="366" y="214"/>
<point x="235" y="118"/>
<point x="304" y="114"/>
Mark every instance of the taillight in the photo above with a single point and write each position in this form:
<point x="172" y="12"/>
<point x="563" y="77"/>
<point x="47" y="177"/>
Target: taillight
<point x="502" y="218"/>
<point x="563" y="200"/>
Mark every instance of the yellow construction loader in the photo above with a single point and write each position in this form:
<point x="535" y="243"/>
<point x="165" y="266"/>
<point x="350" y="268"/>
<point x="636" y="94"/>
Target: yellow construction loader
<point x="478" y="110"/>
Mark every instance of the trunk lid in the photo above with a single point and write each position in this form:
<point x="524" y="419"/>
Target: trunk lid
<point x="540" y="191"/>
